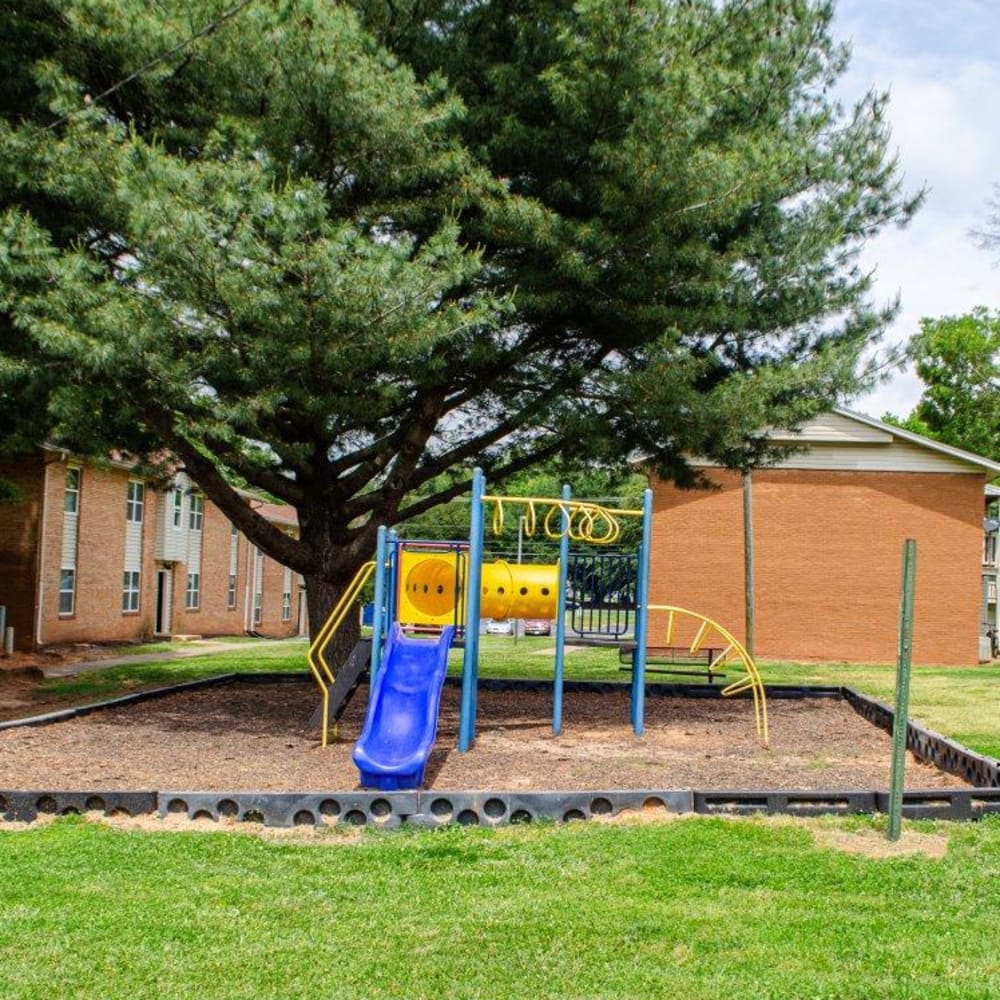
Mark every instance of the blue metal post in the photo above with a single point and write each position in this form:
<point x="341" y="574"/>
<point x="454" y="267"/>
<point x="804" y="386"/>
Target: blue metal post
<point x="638" y="707"/>
<point x="557" y="684"/>
<point x="391" y="581"/>
<point x="470" y="658"/>
<point x="378" y="620"/>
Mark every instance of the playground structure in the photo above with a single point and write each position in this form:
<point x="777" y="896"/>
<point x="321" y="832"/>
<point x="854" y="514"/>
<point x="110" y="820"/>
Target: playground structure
<point x="439" y="589"/>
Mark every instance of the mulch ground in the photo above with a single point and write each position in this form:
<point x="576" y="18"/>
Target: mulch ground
<point x="257" y="737"/>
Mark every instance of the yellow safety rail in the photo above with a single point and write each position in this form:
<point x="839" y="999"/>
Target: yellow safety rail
<point x="316" y="656"/>
<point x="733" y="652"/>
<point x="587" y="521"/>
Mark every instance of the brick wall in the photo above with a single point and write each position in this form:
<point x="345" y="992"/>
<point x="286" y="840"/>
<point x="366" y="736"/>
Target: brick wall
<point x="213" y="617"/>
<point x="271" y="621"/>
<point x="19" y="547"/>
<point x="31" y="544"/>
<point x="100" y="561"/>
<point x="828" y="561"/>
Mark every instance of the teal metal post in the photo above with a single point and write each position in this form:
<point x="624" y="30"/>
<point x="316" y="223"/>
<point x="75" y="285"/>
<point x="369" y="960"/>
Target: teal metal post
<point x="899" y="719"/>
<point x="557" y="684"/>
<point x="378" y="619"/>
<point x="470" y="658"/>
<point x="638" y="706"/>
<point x="391" y="580"/>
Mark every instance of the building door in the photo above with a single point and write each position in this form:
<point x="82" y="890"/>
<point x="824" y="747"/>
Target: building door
<point x="163" y="595"/>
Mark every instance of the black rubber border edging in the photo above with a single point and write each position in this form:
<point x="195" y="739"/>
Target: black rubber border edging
<point x="497" y="808"/>
<point x="64" y="714"/>
<point x="26" y="807"/>
<point x="431" y="809"/>
<point x="926" y="745"/>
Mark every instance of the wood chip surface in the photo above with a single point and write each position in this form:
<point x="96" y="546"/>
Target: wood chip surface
<point x="257" y="737"/>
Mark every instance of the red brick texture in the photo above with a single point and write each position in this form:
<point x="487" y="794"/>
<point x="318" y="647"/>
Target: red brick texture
<point x="100" y="560"/>
<point x="31" y="536"/>
<point x="212" y="617"/>
<point x="19" y="548"/>
<point x="828" y="555"/>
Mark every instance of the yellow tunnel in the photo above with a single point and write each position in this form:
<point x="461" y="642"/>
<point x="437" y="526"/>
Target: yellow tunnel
<point x="526" y="590"/>
<point x="431" y="584"/>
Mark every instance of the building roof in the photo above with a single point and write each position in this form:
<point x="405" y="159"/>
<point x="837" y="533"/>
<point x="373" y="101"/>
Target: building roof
<point x="843" y="439"/>
<point x="926" y="442"/>
<point x="276" y="513"/>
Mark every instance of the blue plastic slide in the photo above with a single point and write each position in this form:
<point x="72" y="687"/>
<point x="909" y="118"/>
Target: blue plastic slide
<point x="401" y="724"/>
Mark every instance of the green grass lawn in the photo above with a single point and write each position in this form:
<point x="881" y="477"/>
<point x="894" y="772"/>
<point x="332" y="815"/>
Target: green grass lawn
<point x="696" y="907"/>
<point x="258" y="657"/>
<point x="700" y="908"/>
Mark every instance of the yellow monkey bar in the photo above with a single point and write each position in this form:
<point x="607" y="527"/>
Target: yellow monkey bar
<point x="587" y="521"/>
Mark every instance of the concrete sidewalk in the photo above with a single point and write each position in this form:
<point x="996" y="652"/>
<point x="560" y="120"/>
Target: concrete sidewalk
<point x="185" y="650"/>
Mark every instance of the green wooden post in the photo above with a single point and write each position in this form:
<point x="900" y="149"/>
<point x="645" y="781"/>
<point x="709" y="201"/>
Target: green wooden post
<point x="899" y="720"/>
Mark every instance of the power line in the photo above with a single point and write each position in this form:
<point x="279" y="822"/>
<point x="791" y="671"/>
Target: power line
<point x="180" y="47"/>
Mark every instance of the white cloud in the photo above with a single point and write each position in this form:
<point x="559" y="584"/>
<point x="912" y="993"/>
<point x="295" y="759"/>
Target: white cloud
<point x="935" y="59"/>
<point x="943" y="136"/>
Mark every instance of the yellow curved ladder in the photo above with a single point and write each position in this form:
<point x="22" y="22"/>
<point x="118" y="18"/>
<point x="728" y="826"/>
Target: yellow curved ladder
<point x="733" y="652"/>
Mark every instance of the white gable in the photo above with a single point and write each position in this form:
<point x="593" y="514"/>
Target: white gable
<point x="851" y="441"/>
<point x="834" y="428"/>
<point x="844" y="441"/>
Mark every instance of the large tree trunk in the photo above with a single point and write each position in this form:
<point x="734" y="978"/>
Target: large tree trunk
<point x="321" y="597"/>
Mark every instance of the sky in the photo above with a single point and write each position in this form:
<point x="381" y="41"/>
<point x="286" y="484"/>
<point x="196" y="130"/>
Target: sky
<point x="940" y="62"/>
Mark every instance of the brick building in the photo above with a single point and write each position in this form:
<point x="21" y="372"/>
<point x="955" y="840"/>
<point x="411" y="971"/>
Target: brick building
<point x="828" y="528"/>
<point x="97" y="553"/>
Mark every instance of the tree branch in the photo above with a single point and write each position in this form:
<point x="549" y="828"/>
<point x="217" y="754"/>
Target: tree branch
<point x="288" y="551"/>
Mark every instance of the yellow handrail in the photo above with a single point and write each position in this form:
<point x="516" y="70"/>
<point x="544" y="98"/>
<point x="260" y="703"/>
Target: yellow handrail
<point x="751" y="680"/>
<point x="316" y="656"/>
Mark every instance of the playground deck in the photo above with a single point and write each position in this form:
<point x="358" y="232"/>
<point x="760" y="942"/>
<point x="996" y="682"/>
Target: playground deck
<point x="257" y="737"/>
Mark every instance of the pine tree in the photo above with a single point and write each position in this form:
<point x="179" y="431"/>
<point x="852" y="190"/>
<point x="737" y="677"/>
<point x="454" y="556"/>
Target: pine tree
<point x="342" y="252"/>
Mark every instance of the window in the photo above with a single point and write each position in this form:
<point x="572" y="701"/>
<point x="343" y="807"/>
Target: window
<point x="192" y="597"/>
<point x="71" y="498"/>
<point x="234" y="542"/>
<point x="258" y="608"/>
<point x="196" y="512"/>
<point x="286" y="595"/>
<point x="67" y="591"/>
<point x="178" y="507"/>
<point x="990" y="549"/>
<point x="67" y="572"/>
<point x="130" y="589"/>
<point x="133" y="503"/>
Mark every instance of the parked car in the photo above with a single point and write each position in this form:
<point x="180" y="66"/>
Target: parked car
<point x="537" y="626"/>
<point x="499" y="626"/>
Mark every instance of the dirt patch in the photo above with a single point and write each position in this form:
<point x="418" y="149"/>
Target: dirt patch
<point x="18" y="692"/>
<point x="21" y="675"/>
<point x="57" y="656"/>
<point x="875" y="845"/>
<point x="256" y="737"/>
<point x="320" y="835"/>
